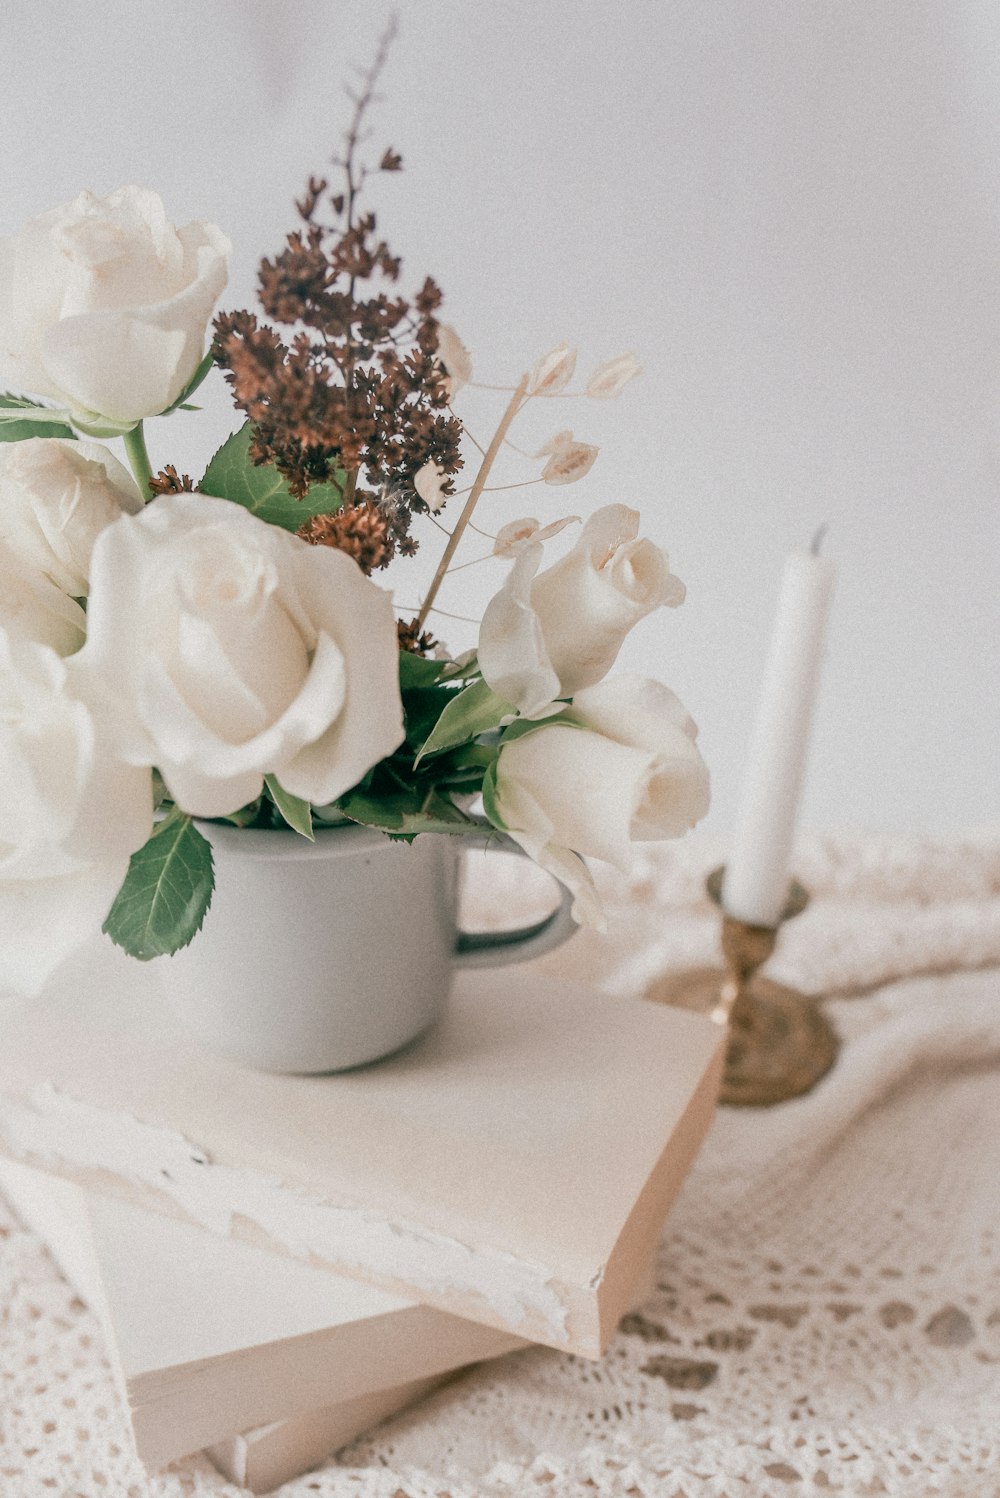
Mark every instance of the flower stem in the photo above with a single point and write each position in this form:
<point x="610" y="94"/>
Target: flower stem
<point x="516" y="402"/>
<point x="138" y="457"/>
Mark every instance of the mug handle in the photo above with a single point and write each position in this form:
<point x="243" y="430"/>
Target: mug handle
<point x="498" y="948"/>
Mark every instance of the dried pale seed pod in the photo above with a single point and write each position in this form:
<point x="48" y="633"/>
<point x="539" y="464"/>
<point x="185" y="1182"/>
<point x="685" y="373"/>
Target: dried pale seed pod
<point x="609" y="380"/>
<point x="553" y="371"/>
<point x="429" y="482"/>
<point x="455" y="357"/>
<point x="516" y="534"/>
<point x="569" y="460"/>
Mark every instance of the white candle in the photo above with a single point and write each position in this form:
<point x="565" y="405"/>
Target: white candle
<point x="757" y="877"/>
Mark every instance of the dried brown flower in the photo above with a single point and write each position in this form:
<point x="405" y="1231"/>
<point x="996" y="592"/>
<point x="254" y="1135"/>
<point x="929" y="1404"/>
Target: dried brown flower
<point x="413" y="638"/>
<point x="353" y="393"/>
<point x="169" y="481"/>
<point x="360" y="530"/>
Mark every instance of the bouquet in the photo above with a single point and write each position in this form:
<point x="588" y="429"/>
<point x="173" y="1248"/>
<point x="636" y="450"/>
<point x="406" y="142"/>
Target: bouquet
<point x="174" y="650"/>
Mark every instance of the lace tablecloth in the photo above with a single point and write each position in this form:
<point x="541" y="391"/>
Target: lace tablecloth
<point x="827" y="1311"/>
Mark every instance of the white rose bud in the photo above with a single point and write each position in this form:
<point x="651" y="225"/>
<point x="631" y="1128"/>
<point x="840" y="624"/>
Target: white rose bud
<point x="104" y="304"/>
<point x="71" y="814"/>
<point x="55" y="498"/>
<point x="631" y="772"/>
<point x="32" y="608"/>
<point x="567" y="624"/>
<point x="237" y="650"/>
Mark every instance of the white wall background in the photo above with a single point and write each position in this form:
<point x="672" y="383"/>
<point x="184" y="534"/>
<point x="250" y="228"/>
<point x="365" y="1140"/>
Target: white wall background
<point x="790" y="211"/>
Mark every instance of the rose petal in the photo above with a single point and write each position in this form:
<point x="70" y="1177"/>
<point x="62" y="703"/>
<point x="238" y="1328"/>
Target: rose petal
<point x="638" y="711"/>
<point x="56" y="497"/>
<point x="33" y="608"/>
<point x="589" y="600"/>
<point x="43" y="921"/>
<point x="369" y="726"/>
<point x="305" y="646"/>
<point x="589" y="786"/>
<point x="70" y="818"/>
<point x="104" y="305"/>
<point x="512" y="653"/>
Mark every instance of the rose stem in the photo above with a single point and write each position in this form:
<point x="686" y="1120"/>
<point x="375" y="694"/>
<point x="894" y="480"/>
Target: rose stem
<point x="135" y="447"/>
<point x="517" y="400"/>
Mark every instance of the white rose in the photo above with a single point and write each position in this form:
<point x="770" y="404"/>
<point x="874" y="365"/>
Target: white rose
<point x="237" y="650"/>
<point x="71" y="814"/>
<point x="33" y="608"/>
<point x="548" y="634"/>
<point x="631" y="772"/>
<point x="55" y="498"/>
<point x="104" y="304"/>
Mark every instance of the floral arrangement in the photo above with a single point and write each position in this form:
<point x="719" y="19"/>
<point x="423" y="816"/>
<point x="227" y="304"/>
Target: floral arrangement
<point x="173" y="651"/>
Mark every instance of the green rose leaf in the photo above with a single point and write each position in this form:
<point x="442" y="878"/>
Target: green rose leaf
<point x="463" y="769"/>
<point x="102" y="427"/>
<point x="417" y="671"/>
<point x="166" y="892"/>
<point x="191" y="387"/>
<point x="262" y="491"/>
<point x="296" y="812"/>
<point x="490" y="798"/>
<point x="472" y="711"/>
<point x="407" y="813"/>
<point x="21" y="419"/>
<point x="523" y="726"/>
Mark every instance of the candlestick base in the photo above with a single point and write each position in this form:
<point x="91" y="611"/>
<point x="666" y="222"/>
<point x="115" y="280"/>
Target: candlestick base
<point x="782" y="1046"/>
<point x="780" y="1042"/>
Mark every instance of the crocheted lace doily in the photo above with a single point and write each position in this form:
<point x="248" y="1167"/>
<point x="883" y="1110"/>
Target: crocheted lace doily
<point x="827" y="1311"/>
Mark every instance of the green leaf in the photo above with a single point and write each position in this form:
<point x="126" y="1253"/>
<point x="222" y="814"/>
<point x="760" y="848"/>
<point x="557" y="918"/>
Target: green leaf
<point x="463" y="769"/>
<point x="21" y="418"/>
<point x="417" y="671"/>
<point x="464" y="669"/>
<point x="102" y="426"/>
<point x="407" y="813"/>
<point x="166" y="892"/>
<point x="191" y="387"/>
<point x="472" y="711"/>
<point x="422" y="707"/>
<point x="245" y="816"/>
<point x="489" y="794"/>
<point x="330" y="816"/>
<point x="523" y="726"/>
<point x="295" y="811"/>
<point x="262" y="491"/>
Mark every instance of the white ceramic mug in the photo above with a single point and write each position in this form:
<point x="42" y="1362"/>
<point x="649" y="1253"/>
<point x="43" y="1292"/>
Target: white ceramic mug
<point x="315" y="957"/>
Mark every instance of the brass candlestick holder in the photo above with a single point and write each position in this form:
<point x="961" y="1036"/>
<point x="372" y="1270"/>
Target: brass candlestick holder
<point x="780" y="1042"/>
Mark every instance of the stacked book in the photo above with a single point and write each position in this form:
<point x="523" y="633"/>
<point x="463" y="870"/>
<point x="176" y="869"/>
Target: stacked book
<point x="281" y="1262"/>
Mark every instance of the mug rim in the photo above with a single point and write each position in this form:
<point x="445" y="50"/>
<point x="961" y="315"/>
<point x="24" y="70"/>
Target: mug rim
<point x="284" y="844"/>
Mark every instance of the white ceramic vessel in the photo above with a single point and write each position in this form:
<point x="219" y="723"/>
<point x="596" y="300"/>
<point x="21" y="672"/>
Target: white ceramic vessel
<point x="316" y="957"/>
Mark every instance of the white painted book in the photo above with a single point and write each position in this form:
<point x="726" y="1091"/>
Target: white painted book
<point x="209" y="1336"/>
<point x="512" y="1167"/>
<point x="264" y="1458"/>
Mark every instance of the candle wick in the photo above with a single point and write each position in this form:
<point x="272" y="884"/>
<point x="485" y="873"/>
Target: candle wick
<point x="818" y="539"/>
